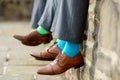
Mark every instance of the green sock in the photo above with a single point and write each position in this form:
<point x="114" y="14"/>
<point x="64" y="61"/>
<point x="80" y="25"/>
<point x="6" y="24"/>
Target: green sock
<point x="41" y="30"/>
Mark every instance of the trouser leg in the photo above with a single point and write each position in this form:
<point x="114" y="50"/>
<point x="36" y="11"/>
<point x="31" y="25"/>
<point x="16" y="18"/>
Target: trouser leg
<point x="38" y="8"/>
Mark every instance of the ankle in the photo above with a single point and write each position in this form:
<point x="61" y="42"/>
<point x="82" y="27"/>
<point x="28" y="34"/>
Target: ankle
<point x="41" y="30"/>
<point x="71" y="49"/>
<point x="61" y="44"/>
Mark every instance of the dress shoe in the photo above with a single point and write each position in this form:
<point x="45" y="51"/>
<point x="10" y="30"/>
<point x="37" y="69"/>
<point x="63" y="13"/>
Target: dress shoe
<point x="61" y="64"/>
<point x="34" y="38"/>
<point x="47" y="55"/>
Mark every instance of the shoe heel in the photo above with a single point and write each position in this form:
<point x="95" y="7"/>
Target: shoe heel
<point x="79" y="65"/>
<point x="46" y="42"/>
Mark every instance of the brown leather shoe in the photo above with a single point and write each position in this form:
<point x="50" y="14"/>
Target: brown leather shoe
<point x="61" y="64"/>
<point x="49" y="54"/>
<point x="34" y="38"/>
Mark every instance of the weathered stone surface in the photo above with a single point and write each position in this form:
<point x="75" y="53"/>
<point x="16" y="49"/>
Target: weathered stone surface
<point x="16" y="77"/>
<point x="2" y="60"/>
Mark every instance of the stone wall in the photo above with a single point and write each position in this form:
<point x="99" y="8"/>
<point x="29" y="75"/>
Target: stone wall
<point x="102" y="48"/>
<point x="15" y="9"/>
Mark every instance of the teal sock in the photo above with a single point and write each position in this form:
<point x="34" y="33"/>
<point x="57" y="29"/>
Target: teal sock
<point x="71" y="49"/>
<point x="41" y="30"/>
<point x="61" y="44"/>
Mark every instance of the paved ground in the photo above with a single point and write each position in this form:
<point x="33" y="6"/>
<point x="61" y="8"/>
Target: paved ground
<point x="15" y="61"/>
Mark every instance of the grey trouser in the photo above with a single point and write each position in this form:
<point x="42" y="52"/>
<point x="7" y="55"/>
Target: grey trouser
<point x="66" y="19"/>
<point x="38" y="8"/>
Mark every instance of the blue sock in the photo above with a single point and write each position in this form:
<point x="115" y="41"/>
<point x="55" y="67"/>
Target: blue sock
<point x="61" y="44"/>
<point x="71" y="49"/>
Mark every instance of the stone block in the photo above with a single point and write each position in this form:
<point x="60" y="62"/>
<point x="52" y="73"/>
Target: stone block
<point x="16" y="77"/>
<point x="2" y="61"/>
<point x="109" y="23"/>
<point x="104" y="64"/>
<point x="89" y="54"/>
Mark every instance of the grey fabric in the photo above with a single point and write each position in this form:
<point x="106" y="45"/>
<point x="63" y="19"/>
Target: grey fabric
<point x="70" y="20"/>
<point x="66" y="18"/>
<point x="48" y="14"/>
<point x="38" y="8"/>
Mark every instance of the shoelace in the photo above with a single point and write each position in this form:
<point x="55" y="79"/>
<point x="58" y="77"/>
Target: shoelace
<point x="51" y="47"/>
<point x="53" y="44"/>
<point x="59" y="57"/>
